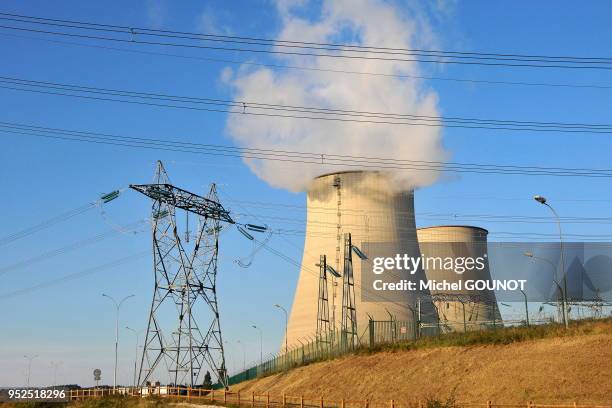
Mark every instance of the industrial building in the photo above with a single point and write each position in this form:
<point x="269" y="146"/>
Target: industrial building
<point x="463" y="309"/>
<point x="370" y="207"/>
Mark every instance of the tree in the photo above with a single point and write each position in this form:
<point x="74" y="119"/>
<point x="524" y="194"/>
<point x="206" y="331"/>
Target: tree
<point x="207" y="384"/>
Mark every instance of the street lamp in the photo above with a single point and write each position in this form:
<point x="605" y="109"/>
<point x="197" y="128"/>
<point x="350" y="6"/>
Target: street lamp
<point x="117" y="306"/>
<point x="542" y="200"/>
<point x="137" y="333"/>
<point x="526" y="307"/>
<point x="55" y="365"/>
<point x="554" y="270"/>
<point x="230" y="363"/>
<point x="260" y="343"/>
<point x="286" y="323"/>
<point x="29" y="358"/>
<point x="243" y="354"/>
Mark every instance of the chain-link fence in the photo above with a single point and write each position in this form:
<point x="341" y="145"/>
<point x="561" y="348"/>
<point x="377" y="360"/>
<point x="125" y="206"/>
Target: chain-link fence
<point x="334" y="345"/>
<point x="377" y="332"/>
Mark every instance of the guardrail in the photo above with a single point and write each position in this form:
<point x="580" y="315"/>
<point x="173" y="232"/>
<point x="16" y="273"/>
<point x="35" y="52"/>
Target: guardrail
<point x="267" y="400"/>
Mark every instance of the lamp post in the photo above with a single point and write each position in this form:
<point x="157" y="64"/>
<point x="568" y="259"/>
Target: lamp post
<point x="29" y="358"/>
<point x="286" y="323"/>
<point x="55" y="365"/>
<point x="260" y="343"/>
<point x="526" y="307"/>
<point x="117" y="307"/>
<point x="542" y="200"/>
<point x="243" y="354"/>
<point x="229" y="362"/>
<point x="137" y="333"/>
<point x="554" y="269"/>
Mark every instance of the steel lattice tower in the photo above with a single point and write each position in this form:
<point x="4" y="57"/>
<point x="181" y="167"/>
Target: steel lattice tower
<point x="323" y="323"/>
<point x="185" y="288"/>
<point x="349" y="312"/>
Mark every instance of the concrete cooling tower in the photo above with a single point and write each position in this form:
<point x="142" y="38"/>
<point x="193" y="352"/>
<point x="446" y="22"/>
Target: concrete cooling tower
<point x="464" y="309"/>
<point x="367" y="205"/>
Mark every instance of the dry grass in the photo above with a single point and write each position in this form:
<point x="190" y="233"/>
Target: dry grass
<point x="117" y="401"/>
<point x="545" y="365"/>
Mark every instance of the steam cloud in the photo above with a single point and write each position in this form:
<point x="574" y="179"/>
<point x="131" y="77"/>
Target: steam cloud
<point x="358" y="22"/>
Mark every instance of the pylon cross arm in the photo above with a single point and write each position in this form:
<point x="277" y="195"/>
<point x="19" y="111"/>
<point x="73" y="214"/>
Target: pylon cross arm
<point x="185" y="200"/>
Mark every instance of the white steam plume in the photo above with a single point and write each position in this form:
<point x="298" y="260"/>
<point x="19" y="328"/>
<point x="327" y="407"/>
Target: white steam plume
<point x="358" y="22"/>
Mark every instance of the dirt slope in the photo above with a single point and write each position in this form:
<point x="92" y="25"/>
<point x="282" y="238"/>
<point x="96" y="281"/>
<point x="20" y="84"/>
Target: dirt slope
<point x="552" y="370"/>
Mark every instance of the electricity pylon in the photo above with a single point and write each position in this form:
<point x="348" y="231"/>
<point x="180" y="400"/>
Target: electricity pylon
<point x="185" y="288"/>
<point x="349" y="312"/>
<point x="323" y="323"/>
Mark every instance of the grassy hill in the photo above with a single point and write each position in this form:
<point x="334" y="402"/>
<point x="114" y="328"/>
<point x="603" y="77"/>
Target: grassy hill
<point x="543" y="364"/>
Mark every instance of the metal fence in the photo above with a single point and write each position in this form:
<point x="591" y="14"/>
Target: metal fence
<point x="334" y="345"/>
<point x="377" y="332"/>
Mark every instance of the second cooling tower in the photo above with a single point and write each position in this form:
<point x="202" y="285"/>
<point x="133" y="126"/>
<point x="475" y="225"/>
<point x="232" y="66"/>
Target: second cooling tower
<point x="464" y="309"/>
<point x="370" y="207"/>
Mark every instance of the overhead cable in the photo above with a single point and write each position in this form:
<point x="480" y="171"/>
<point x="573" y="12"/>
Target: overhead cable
<point x="254" y="108"/>
<point x="357" y="162"/>
<point x="457" y="80"/>
<point x="131" y="34"/>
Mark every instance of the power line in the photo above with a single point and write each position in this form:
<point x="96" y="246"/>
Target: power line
<point x="46" y="224"/>
<point x="285" y="47"/>
<point x="294" y="111"/>
<point x="522" y="236"/>
<point x="319" y="69"/>
<point x="75" y="275"/>
<point x="131" y="30"/>
<point x="577" y="200"/>
<point x="267" y="247"/>
<point x="306" y="268"/>
<point x="63" y="250"/>
<point x="304" y="265"/>
<point x="454" y="217"/>
<point x="357" y="162"/>
<point x="49" y="222"/>
<point x="358" y="228"/>
<point x="358" y="211"/>
<point x="321" y="225"/>
<point x="71" y="276"/>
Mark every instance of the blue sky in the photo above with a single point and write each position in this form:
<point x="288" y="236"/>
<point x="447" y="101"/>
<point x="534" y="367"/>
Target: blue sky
<point x="71" y="322"/>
